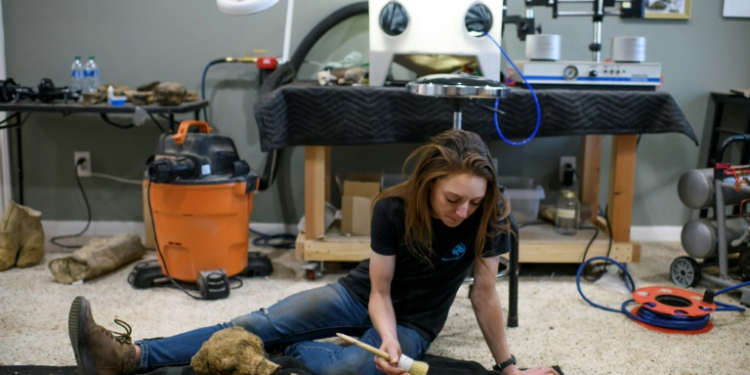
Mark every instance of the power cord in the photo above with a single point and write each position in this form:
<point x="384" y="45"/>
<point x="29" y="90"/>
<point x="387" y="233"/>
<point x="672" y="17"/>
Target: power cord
<point x="158" y="248"/>
<point x="597" y="273"/>
<point x="118" y="179"/>
<point x="88" y="211"/>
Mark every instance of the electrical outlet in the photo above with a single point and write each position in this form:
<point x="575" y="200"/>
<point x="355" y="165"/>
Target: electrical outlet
<point x="84" y="170"/>
<point x="564" y="160"/>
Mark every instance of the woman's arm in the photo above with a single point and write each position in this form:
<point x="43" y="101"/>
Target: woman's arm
<point x="489" y="315"/>
<point x="381" y="310"/>
<point x="488" y="311"/>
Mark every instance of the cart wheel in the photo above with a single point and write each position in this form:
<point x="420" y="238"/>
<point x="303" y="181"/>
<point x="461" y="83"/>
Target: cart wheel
<point x="313" y="270"/>
<point x="311" y="275"/>
<point x="685" y="272"/>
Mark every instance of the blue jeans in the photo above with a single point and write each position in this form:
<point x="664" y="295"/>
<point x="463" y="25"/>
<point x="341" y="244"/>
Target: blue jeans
<point x="296" y="321"/>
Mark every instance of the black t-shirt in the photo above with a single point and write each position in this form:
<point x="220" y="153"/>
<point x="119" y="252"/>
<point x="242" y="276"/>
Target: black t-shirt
<point x="422" y="293"/>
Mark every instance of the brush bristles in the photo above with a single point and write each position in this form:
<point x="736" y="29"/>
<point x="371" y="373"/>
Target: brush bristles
<point x="418" y="368"/>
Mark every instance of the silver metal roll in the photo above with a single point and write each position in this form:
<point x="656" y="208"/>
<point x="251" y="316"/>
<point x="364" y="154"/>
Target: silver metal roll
<point x="700" y="238"/>
<point x="543" y="47"/>
<point x="629" y="49"/>
<point x="696" y="190"/>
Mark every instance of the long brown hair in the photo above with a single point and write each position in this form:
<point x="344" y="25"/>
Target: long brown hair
<point x="449" y="153"/>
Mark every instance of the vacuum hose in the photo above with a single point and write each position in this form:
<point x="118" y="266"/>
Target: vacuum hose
<point x="287" y="72"/>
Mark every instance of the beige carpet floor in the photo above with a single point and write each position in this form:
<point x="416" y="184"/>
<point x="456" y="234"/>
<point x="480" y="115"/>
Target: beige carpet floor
<point x="556" y="325"/>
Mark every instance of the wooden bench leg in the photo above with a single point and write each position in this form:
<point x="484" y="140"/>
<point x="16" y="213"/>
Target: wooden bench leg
<point x="591" y="161"/>
<point x="621" y="186"/>
<point x="315" y="191"/>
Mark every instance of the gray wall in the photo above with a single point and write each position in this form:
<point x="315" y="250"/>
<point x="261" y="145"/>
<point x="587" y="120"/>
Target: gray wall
<point x="138" y="41"/>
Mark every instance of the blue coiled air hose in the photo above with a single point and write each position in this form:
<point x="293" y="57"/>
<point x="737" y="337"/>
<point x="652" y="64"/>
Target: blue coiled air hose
<point x="533" y="93"/>
<point x="652" y="318"/>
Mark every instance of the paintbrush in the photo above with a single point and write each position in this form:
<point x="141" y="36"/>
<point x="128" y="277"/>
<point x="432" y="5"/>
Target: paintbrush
<point x="411" y="366"/>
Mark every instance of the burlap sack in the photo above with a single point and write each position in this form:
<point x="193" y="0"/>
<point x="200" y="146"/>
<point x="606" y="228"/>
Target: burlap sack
<point x="99" y="256"/>
<point x="233" y="351"/>
<point x="21" y="237"/>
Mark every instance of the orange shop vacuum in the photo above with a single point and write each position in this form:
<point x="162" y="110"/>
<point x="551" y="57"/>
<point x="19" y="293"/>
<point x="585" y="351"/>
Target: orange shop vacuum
<point x="200" y="195"/>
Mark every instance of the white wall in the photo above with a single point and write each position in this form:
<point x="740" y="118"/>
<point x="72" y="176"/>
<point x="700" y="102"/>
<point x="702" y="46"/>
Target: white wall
<point x="5" y="184"/>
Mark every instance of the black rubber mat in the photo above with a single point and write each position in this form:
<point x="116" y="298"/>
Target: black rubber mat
<point x="37" y="370"/>
<point x="438" y="366"/>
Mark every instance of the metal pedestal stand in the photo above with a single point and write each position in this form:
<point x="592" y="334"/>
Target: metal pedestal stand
<point x="458" y="90"/>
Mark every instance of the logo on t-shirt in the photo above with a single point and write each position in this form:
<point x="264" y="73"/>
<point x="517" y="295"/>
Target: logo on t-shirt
<point x="456" y="253"/>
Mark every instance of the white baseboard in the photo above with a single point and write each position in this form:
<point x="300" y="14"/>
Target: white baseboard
<point x="110" y="228"/>
<point x="665" y="233"/>
<point x="97" y="228"/>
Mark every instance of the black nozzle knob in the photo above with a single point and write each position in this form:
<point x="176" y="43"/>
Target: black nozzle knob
<point x="393" y="19"/>
<point x="708" y="297"/>
<point x="478" y="20"/>
<point x="168" y="170"/>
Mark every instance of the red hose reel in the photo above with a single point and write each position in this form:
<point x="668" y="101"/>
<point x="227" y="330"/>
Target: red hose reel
<point x="673" y="302"/>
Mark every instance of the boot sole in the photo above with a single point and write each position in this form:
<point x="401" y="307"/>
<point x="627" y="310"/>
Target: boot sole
<point x="77" y="332"/>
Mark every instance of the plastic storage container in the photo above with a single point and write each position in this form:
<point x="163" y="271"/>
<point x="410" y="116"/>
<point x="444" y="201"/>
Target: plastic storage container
<point x="524" y="194"/>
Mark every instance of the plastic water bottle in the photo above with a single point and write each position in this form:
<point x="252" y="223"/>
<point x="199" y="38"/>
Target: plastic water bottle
<point x="76" y="75"/>
<point x="91" y="75"/>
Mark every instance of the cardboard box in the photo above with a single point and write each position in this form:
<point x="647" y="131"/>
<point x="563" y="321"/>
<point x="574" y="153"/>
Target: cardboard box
<point x="359" y="192"/>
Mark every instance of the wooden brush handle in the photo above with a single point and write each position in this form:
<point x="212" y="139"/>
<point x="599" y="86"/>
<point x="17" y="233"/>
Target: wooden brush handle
<point x="364" y="346"/>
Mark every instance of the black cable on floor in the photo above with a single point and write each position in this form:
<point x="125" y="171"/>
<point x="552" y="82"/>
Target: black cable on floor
<point x="277" y="241"/>
<point x="158" y="248"/>
<point x="597" y="270"/>
<point x="88" y="211"/>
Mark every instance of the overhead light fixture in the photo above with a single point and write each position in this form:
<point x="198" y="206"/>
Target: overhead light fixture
<point x="246" y="7"/>
<point x="243" y="7"/>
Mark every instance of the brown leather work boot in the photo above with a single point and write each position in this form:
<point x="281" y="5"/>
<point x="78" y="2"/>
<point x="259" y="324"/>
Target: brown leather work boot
<point x="97" y="350"/>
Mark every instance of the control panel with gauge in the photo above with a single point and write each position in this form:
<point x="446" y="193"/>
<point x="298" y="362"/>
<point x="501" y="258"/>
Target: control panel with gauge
<point x="590" y="74"/>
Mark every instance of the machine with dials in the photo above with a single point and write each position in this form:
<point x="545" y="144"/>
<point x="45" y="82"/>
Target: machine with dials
<point x="627" y="70"/>
<point x="591" y="74"/>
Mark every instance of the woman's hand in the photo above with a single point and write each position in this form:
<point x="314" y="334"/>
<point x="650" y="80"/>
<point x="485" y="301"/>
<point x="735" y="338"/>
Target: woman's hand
<point x="393" y="349"/>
